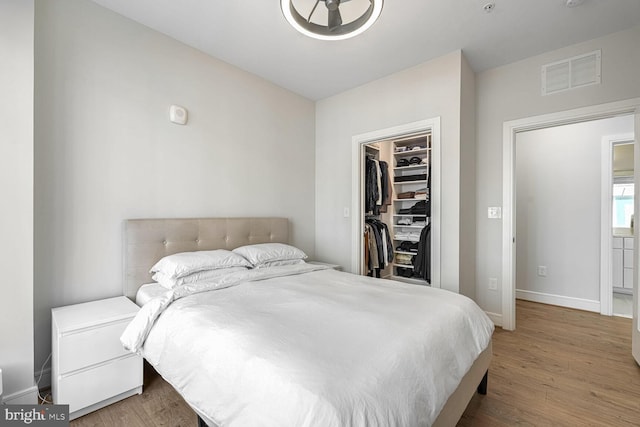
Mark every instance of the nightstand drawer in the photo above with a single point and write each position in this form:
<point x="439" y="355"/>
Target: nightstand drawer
<point x="94" y="385"/>
<point x="85" y="347"/>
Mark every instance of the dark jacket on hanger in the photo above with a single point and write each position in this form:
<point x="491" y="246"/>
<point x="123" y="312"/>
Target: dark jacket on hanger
<point x="422" y="261"/>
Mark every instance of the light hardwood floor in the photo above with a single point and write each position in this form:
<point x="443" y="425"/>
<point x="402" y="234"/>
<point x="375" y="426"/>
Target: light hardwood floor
<point x="561" y="367"/>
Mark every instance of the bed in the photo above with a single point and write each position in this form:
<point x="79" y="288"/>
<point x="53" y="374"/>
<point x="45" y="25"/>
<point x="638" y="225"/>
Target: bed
<point x="300" y="344"/>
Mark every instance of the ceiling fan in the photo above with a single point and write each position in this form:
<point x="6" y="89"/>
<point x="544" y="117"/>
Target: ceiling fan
<point x="333" y="6"/>
<point x="337" y="21"/>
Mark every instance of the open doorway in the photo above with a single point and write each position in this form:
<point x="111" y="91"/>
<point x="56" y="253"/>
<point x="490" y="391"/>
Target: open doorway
<point x="511" y="130"/>
<point x="558" y="209"/>
<point x="618" y="175"/>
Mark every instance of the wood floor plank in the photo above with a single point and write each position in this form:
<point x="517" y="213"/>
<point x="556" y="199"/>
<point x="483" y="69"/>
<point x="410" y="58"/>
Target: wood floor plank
<point x="561" y="367"/>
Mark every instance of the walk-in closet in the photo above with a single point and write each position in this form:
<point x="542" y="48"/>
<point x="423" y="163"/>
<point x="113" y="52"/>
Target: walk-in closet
<point x="396" y="177"/>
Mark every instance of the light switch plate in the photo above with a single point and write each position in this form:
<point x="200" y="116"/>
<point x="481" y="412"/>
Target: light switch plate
<point x="494" y="212"/>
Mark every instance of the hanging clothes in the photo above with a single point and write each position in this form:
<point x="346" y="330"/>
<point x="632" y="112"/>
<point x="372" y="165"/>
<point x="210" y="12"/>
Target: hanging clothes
<point x="386" y="187"/>
<point x="377" y="186"/>
<point x="379" y="246"/>
<point x="371" y="186"/>
<point x="422" y="261"/>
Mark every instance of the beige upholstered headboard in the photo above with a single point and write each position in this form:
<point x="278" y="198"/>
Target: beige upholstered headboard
<point x="148" y="240"/>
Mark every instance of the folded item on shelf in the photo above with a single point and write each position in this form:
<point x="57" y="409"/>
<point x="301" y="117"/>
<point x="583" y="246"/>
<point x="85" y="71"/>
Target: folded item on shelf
<point x="404" y="272"/>
<point x="407" y="195"/>
<point x="407" y="246"/>
<point x="402" y="162"/>
<point x="407" y="235"/>
<point x="405" y="178"/>
<point x="404" y="259"/>
<point x="423" y="207"/>
<point x="405" y="221"/>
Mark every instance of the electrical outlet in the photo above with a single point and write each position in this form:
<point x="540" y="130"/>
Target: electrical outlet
<point x="542" y="270"/>
<point x="493" y="283"/>
<point x="346" y="213"/>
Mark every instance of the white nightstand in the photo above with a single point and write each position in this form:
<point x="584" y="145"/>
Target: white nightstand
<point x="90" y="368"/>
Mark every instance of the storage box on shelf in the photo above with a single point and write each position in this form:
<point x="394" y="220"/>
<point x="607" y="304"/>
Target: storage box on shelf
<point x="410" y="175"/>
<point x="90" y="368"/>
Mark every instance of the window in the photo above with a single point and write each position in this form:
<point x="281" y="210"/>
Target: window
<point x="623" y="193"/>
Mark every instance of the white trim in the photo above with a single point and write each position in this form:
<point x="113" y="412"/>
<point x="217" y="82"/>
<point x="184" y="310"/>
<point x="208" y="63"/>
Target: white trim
<point x="606" y="179"/>
<point x="495" y="318"/>
<point x="357" y="196"/>
<point x="28" y="396"/>
<point x="510" y="130"/>
<point x="561" y="300"/>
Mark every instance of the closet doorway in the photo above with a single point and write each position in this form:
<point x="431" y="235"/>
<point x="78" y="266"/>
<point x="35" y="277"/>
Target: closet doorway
<point x="403" y="137"/>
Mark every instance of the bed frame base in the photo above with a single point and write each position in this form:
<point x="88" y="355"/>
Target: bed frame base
<point x="482" y="387"/>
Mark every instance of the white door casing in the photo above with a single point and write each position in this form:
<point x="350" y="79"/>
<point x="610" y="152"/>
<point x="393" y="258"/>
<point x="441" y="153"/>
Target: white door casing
<point x="357" y="188"/>
<point x="510" y="130"/>
<point x="606" y="196"/>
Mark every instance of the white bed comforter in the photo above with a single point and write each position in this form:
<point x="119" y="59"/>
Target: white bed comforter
<point x="303" y="346"/>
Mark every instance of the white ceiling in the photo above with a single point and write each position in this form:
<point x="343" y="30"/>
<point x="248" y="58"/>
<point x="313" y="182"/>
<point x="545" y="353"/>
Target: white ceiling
<point x="253" y="35"/>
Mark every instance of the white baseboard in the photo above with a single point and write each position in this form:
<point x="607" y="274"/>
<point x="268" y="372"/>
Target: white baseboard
<point x="495" y="318"/>
<point x="45" y="380"/>
<point x="27" y="396"/>
<point x="562" y="301"/>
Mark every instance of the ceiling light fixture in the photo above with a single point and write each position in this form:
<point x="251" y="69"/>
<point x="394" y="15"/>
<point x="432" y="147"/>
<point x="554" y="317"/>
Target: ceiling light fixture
<point x="336" y="20"/>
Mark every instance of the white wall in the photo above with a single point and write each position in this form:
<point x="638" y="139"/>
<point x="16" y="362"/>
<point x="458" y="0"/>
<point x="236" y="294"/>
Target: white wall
<point x="432" y="89"/>
<point x="513" y="92"/>
<point x="16" y="191"/>
<point x="558" y="209"/>
<point x="467" y="180"/>
<point x="105" y="150"/>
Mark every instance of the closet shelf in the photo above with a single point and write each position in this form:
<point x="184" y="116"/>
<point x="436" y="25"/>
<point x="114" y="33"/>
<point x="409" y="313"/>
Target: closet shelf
<point x="417" y="227"/>
<point x="395" y="264"/>
<point x="419" y="181"/>
<point x="411" y="200"/>
<point x="410" y="167"/>
<point x="403" y="215"/>
<point x="406" y="253"/>
<point x="411" y="152"/>
<point x="406" y="239"/>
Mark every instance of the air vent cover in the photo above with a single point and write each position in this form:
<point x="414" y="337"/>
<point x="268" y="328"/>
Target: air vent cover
<point x="572" y="73"/>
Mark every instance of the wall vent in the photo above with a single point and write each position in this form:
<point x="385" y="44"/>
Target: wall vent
<point x="572" y="73"/>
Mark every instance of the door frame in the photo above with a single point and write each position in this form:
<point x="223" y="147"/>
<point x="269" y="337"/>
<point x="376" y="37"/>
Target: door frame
<point x="606" y="195"/>
<point x="357" y="188"/>
<point x="510" y="131"/>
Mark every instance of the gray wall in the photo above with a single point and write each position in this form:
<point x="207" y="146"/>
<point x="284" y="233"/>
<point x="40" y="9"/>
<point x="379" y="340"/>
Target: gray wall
<point x="106" y="151"/>
<point x="513" y="92"/>
<point x="16" y="191"/>
<point x="558" y="210"/>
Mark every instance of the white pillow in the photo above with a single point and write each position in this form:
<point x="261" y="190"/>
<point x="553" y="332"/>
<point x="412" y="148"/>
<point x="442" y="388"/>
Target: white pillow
<point x="200" y="276"/>
<point x="263" y="253"/>
<point x="279" y="263"/>
<point x="184" y="263"/>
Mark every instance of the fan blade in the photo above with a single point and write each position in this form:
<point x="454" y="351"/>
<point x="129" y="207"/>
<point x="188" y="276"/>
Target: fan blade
<point x="335" y="19"/>
<point x="313" y="10"/>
